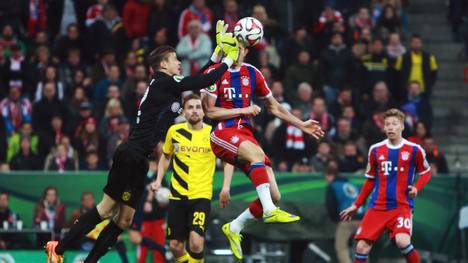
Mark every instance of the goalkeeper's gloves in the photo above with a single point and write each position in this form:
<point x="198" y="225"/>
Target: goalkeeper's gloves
<point x="221" y="29"/>
<point x="230" y="47"/>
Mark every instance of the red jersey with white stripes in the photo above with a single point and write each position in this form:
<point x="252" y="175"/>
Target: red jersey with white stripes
<point x="236" y="89"/>
<point x="394" y="168"/>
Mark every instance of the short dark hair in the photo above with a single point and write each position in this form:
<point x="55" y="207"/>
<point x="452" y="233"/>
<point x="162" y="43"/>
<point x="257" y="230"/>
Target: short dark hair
<point x="159" y="54"/>
<point x="413" y="36"/>
<point x="190" y="97"/>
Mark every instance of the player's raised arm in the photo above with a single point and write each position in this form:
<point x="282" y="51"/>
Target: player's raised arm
<point x="310" y="127"/>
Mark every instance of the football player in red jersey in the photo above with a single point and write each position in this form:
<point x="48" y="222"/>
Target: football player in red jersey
<point x="230" y="102"/>
<point x="391" y="170"/>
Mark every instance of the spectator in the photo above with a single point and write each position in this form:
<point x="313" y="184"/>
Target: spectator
<point x="94" y="12"/>
<point x="52" y="137"/>
<point x="381" y="99"/>
<point x="352" y="160"/>
<point x="101" y="69"/>
<point x="420" y="132"/>
<point x="336" y="67"/>
<point x="8" y="39"/>
<point x="344" y="99"/>
<point x="71" y="152"/>
<point x="373" y="127"/>
<point x="304" y="98"/>
<point x="49" y="209"/>
<point x="89" y="140"/>
<point x="122" y="132"/>
<point x="323" y="155"/>
<point x="69" y="68"/>
<point x="86" y="111"/>
<point x="375" y="66"/>
<point x="230" y="13"/>
<point x="78" y="97"/>
<point x="290" y="144"/>
<point x="163" y="18"/>
<point x="388" y="22"/>
<point x="434" y="155"/>
<point x="135" y="18"/>
<point x="72" y="40"/>
<point x="129" y="90"/>
<point x="25" y="159"/>
<point x="361" y="20"/>
<point x="14" y="142"/>
<point x="41" y="61"/>
<point x="92" y="162"/>
<point x="101" y="87"/>
<point x="194" y="49"/>
<point x="417" y="106"/>
<point x="110" y="121"/>
<point x="302" y="166"/>
<point x="418" y="65"/>
<point x="15" y="109"/>
<point x="302" y="71"/>
<point x="319" y="113"/>
<point x="196" y="11"/>
<point x="50" y="76"/>
<point x="7" y="215"/>
<point x="340" y="194"/>
<point x="344" y="133"/>
<point x="18" y="68"/>
<point x="44" y="109"/>
<point x="349" y="113"/>
<point x="87" y="203"/>
<point x="266" y="119"/>
<point x="130" y="64"/>
<point x="394" y="47"/>
<point x="58" y="160"/>
<point x="324" y="28"/>
<point x="62" y="13"/>
<point x="300" y="41"/>
<point x="107" y="33"/>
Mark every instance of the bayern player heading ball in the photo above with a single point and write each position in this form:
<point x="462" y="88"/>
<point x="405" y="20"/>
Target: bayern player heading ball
<point x="249" y="31"/>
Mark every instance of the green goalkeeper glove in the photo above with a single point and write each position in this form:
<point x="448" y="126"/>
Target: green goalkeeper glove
<point x="230" y="47"/>
<point x="221" y="29"/>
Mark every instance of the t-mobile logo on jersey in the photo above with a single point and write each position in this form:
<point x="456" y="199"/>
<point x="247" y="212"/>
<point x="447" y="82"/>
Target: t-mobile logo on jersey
<point x="387" y="167"/>
<point x="230" y="93"/>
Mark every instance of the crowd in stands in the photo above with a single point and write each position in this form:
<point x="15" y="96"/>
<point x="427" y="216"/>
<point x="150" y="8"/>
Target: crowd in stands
<point x="73" y="73"/>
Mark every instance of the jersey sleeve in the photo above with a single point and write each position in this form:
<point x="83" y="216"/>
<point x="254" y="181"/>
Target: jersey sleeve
<point x="168" y="147"/>
<point x="262" y="90"/>
<point x="199" y="81"/>
<point x="421" y="163"/>
<point x="371" y="170"/>
<point x="213" y="89"/>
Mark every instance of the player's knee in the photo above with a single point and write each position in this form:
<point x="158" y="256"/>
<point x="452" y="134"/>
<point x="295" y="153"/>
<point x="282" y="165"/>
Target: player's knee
<point x="196" y="246"/>
<point x="124" y="222"/>
<point x="402" y="242"/>
<point x="176" y="247"/>
<point x="105" y="212"/>
<point x="363" y="247"/>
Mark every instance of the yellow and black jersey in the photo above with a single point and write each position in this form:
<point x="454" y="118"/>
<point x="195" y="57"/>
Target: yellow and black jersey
<point x="193" y="162"/>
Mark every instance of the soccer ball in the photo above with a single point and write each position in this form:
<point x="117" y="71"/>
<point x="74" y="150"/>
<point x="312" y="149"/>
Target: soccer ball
<point x="248" y="31"/>
<point x="162" y="196"/>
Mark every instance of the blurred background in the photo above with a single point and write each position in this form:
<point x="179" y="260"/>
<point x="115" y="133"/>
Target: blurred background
<point x="72" y="73"/>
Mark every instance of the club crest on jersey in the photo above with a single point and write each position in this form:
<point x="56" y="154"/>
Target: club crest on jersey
<point x="234" y="139"/>
<point x="178" y="78"/>
<point x="405" y="156"/>
<point x="245" y="81"/>
<point x="211" y="88"/>
<point x="175" y="107"/>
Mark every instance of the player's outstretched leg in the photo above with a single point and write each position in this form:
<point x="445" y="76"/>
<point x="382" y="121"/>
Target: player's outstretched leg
<point x="82" y="226"/>
<point x="363" y="248"/>
<point x="110" y="233"/>
<point x="403" y="242"/>
<point x="257" y="172"/>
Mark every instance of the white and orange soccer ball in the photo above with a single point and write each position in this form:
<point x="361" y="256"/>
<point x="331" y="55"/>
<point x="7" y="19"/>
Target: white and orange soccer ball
<point x="248" y="31"/>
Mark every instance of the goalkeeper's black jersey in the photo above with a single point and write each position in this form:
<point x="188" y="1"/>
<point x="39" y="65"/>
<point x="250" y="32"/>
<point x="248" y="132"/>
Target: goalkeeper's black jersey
<point x="161" y="104"/>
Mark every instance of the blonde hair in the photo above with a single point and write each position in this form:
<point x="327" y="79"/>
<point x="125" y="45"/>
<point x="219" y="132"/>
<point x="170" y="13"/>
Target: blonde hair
<point x="394" y="113"/>
<point x="113" y="103"/>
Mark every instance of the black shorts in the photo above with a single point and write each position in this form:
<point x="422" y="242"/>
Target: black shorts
<point x="185" y="216"/>
<point x="126" y="179"/>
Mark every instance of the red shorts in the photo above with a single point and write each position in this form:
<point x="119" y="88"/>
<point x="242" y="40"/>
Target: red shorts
<point x="375" y="222"/>
<point x="225" y="145"/>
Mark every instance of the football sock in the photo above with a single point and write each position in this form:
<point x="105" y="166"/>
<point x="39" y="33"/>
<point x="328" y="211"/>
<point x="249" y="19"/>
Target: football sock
<point x="146" y="242"/>
<point x="183" y="259"/>
<point x="196" y="257"/>
<point x="238" y="224"/>
<point x="80" y="228"/>
<point x="360" y="258"/>
<point x="256" y="208"/>
<point x="411" y="254"/>
<point x="259" y="176"/>
<point x="104" y="243"/>
<point x="122" y="250"/>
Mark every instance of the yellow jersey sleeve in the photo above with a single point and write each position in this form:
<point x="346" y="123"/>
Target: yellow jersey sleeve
<point x="434" y="65"/>
<point x="168" y="147"/>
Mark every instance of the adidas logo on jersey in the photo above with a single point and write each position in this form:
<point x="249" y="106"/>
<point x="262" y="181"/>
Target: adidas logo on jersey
<point x="225" y="82"/>
<point x="381" y="158"/>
